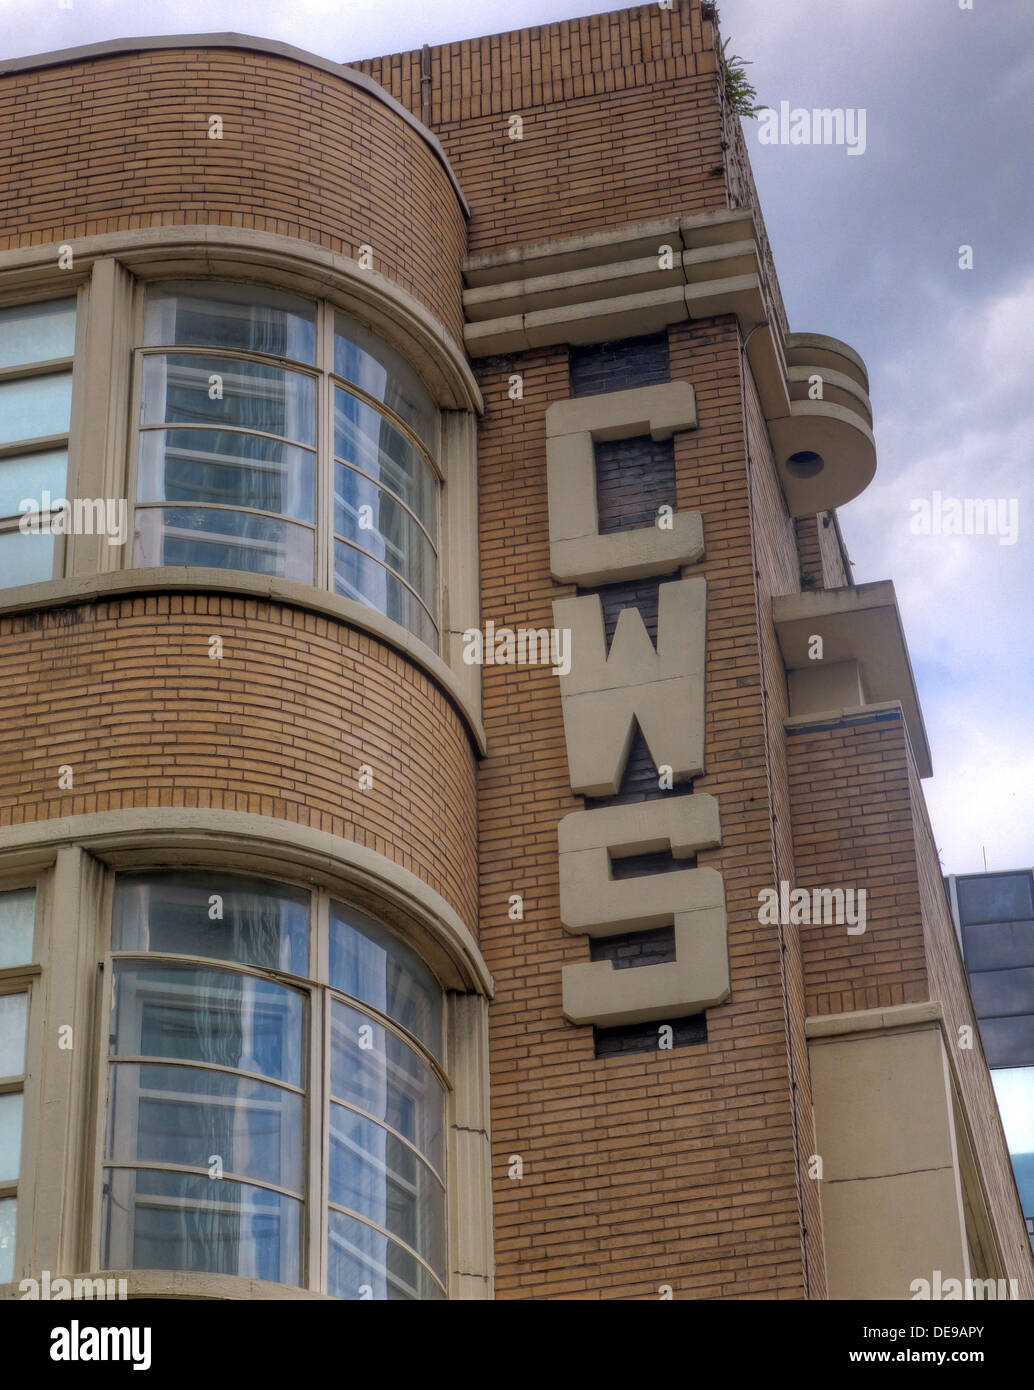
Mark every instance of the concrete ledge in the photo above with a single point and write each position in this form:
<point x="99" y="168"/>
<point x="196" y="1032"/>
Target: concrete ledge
<point x="617" y="284"/>
<point x="919" y="1015"/>
<point x="169" y="1283"/>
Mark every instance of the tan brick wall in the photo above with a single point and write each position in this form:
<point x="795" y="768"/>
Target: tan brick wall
<point x="125" y="693"/>
<point x="777" y="573"/>
<point x="669" y="1167"/>
<point x="621" y="122"/>
<point x="819" y="551"/>
<point x="852" y="828"/>
<point x="121" y="142"/>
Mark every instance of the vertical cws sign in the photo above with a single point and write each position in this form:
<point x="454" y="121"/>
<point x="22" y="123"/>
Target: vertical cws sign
<point x="603" y="696"/>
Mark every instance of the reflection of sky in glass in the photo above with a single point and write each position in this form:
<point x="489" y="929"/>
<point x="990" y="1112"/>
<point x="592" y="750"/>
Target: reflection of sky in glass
<point x="1014" y="1088"/>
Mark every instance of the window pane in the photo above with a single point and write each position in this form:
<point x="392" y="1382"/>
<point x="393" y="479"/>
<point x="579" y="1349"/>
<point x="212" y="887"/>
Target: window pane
<point x="379" y="969"/>
<point x="159" y="1220"/>
<point x="248" y="318"/>
<point x="14" y="1012"/>
<point x="996" y="898"/>
<point x="26" y="476"/>
<point x="391" y="534"/>
<point x="245" y="470"/>
<point x="257" y="922"/>
<point x="362" y="358"/>
<point x="223" y="540"/>
<point x="173" y="1011"/>
<point x="388" y="1080"/>
<point x="367" y="440"/>
<point x="8" y="1222"/>
<point x="999" y="993"/>
<point x="37" y="332"/>
<point x="17" y="915"/>
<point x="10" y="1135"/>
<point x="179" y="1115"/>
<point x="363" y="579"/>
<point x="35" y="406"/>
<point x="178" y="391"/>
<point x="25" y="559"/>
<point x="1008" y="1042"/>
<point x="999" y="945"/>
<point x="361" y="1262"/>
<point x="376" y="1175"/>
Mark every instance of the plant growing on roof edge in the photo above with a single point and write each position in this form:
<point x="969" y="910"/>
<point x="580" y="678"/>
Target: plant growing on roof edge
<point x="739" y="92"/>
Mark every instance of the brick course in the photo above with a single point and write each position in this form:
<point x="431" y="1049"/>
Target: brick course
<point x="125" y="693"/>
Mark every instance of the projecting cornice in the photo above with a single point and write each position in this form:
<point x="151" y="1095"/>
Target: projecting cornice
<point x="638" y="279"/>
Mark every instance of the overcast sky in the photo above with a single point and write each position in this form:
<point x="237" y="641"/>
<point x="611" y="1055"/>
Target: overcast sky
<point x="867" y="249"/>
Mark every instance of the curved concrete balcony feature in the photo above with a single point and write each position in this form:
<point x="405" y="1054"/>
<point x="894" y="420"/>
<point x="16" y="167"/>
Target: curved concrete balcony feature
<point x="864" y="662"/>
<point x="824" y="448"/>
<point x="642" y="278"/>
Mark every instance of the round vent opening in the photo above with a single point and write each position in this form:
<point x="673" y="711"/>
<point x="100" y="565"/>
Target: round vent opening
<point x="805" y="464"/>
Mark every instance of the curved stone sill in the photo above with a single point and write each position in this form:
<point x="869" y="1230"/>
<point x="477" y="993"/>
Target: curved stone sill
<point x="140" y="837"/>
<point x="162" y="1283"/>
<point x="59" y="593"/>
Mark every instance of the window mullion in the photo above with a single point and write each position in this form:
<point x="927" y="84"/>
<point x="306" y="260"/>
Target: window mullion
<point x="325" y="449"/>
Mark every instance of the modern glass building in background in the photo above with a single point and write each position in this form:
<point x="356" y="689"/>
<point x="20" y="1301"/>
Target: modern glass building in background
<point x="994" y="917"/>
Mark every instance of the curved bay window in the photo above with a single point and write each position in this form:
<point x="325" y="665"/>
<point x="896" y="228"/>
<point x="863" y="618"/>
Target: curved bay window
<point x="269" y="1117"/>
<point x="281" y="437"/>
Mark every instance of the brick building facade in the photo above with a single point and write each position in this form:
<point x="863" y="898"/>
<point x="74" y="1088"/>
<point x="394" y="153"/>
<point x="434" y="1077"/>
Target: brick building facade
<point x="377" y="356"/>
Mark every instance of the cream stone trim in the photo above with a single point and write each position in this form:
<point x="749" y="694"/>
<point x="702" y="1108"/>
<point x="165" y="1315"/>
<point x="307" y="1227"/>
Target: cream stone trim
<point x="100" y="429"/>
<point x="861" y="625"/>
<point x="662" y="687"/>
<point x="830" y="685"/>
<point x="177" y="1284"/>
<point x="59" y="593"/>
<point x="647" y="276"/>
<point x="578" y="553"/>
<point x="285" y="262"/>
<point x="691" y="899"/>
<point x="165" y="835"/>
<point x="471" y="1245"/>
<point x="875" y="1020"/>
<point x="981" y="1217"/>
<point x="351" y="75"/>
<point x="657" y="410"/>
<point x="594" y="903"/>
<point x="892" y="1205"/>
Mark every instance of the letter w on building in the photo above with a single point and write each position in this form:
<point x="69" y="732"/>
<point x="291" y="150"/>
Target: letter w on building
<point x="662" y="687"/>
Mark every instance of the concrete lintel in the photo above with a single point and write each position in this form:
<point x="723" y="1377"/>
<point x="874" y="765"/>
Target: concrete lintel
<point x="572" y="253"/>
<point x="918" y="1015"/>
